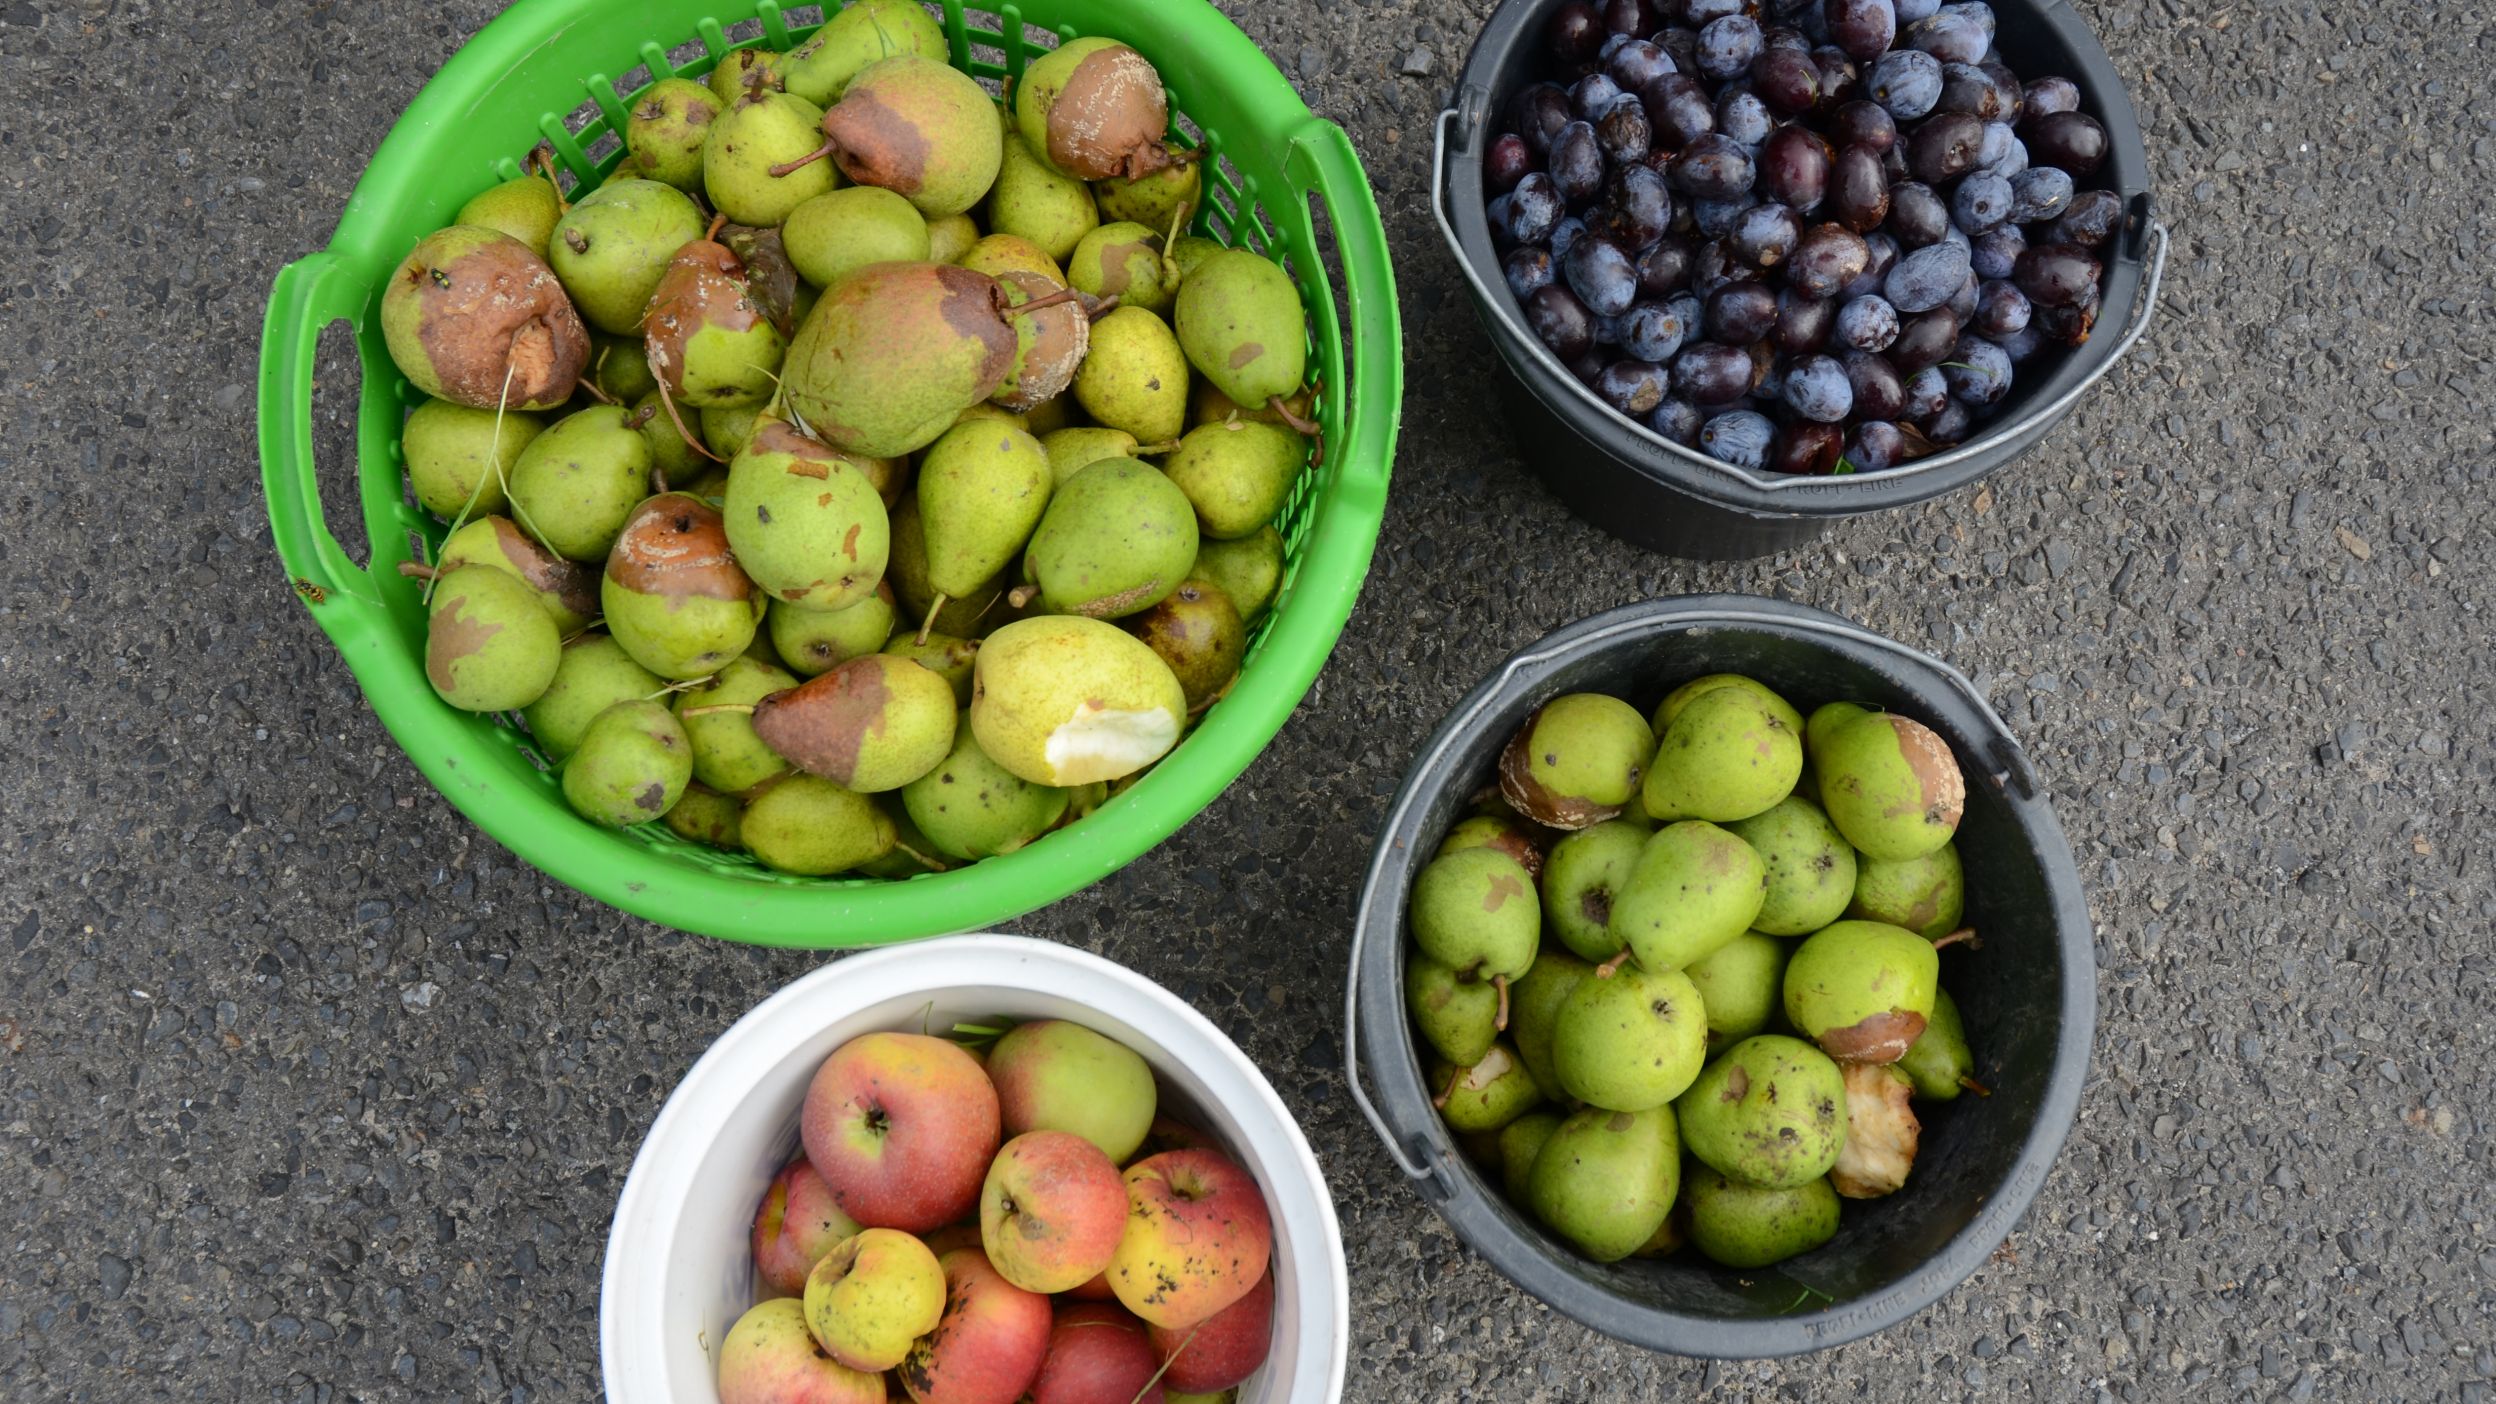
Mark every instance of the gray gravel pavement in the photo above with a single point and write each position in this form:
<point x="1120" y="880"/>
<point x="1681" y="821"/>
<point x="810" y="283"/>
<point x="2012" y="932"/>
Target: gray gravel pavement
<point x="307" y="1092"/>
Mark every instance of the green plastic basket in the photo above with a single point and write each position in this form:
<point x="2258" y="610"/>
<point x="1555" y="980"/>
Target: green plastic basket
<point x="547" y="70"/>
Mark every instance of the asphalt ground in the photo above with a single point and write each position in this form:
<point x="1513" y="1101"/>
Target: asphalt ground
<point x="309" y="1092"/>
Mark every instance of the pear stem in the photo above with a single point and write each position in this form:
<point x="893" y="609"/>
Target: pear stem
<point x="927" y="626"/>
<point x="1500" y="983"/>
<point x="1283" y="412"/>
<point x="1155" y="450"/>
<point x="1440" y="1101"/>
<point x="1100" y="307"/>
<point x="1976" y="1087"/>
<point x="747" y="708"/>
<point x="1021" y="595"/>
<point x="802" y="162"/>
<point x="594" y="390"/>
<point x="1965" y="935"/>
<point x="417" y="570"/>
<point x="641" y="416"/>
<point x="1041" y="304"/>
<point x="718" y="222"/>
<point x="1613" y="966"/>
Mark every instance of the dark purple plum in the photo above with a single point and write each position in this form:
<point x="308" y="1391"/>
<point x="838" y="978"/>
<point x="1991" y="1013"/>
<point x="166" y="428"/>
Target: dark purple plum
<point x="1829" y="257"/>
<point x="1924" y="340"/>
<point x="1664" y="269"/>
<point x="1917" y="216"/>
<point x="1627" y="17"/>
<point x="1528" y="269"/>
<point x="1634" y="387"/>
<point x="1560" y="321"/>
<point x="1677" y="421"/>
<point x="1697" y="14"/>
<point x="2000" y="310"/>
<point x="1866" y="324"/>
<point x="1740" y="438"/>
<point x="1906" y="83"/>
<point x="1506" y="162"/>
<point x="1991" y="255"/>
<point x="1840" y="79"/>
<point x="1944" y="147"/>
<point x="2002" y="152"/>
<point x="1950" y="425"/>
<point x="1653" y="331"/>
<point x="1534" y="208"/>
<point x="1968" y="89"/>
<point x="1927" y="392"/>
<point x="1727" y="46"/>
<point x="2091" y="219"/>
<point x="1538" y="115"/>
<point x="1880" y="254"/>
<point x="1765" y="235"/>
<point x="1576" y="163"/>
<point x="1858" y="189"/>
<point x="1879" y="391"/>
<point x="1743" y="118"/>
<point x="1981" y="203"/>
<point x="1978" y="373"/>
<point x="1713" y="168"/>
<point x="1741" y="313"/>
<point x="1716" y="218"/>
<point x="2041" y="193"/>
<point x="1926" y="278"/>
<point x="2056" y="275"/>
<point x="1622" y="131"/>
<point x="1794" y="168"/>
<point x="1710" y="373"/>
<point x="1816" y="388"/>
<point x="1637" y="208"/>
<point x="1636" y="64"/>
<point x="1679" y="110"/>
<point x="1803" y="323"/>
<point x="1863" y="123"/>
<point x="1876" y="444"/>
<point x="1591" y="96"/>
<point x="1787" y="80"/>
<point x="1565" y="234"/>
<point x="2043" y="97"/>
<point x="2020" y="345"/>
<point x="1601" y="275"/>
<point x="1806" y="448"/>
<point x="2071" y="140"/>
<point x="1863" y="28"/>
<point x="1962" y="303"/>
<point x="1952" y="36"/>
<point x="1574" y="33"/>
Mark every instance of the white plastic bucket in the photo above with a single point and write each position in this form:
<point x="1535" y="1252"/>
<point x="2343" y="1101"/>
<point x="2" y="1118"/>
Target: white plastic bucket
<point x="679" y="1272"/>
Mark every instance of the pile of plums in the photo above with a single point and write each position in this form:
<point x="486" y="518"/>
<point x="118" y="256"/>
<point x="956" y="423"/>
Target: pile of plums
<point x="1809" y="236"/>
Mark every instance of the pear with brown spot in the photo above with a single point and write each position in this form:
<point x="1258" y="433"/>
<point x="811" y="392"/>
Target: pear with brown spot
<point x="918" y="127"/>
<point x="1115" y="541"/>
<point x="675" y="596"/>
<point x="891" y="357"/>
<point x="756" y="165"/>
<point x="473" y="316"/>
<point x="1891" y="785"/>
<point x="805" y="521"/>
<point x="1770" y="1112"/>
<point x="566" y="588"/>
<point x="1475" y="912"/>
<point x="1135" y="377"/>
<point x="708" y="342"/>
<point x="632" y="766"/>
<point x="1241" y="322"/>
<point x="1693" y="889"/>
<point x="1125" y="261"/>
<point x="666" y="129"/>
<point x="489" y="646"/>
<point x="1094" y="109"/>
<point x="1050" y="343"/>
<point x="1197" y="631"/>
<point x="1862" y="990"/>
<point x="870" y="725"/>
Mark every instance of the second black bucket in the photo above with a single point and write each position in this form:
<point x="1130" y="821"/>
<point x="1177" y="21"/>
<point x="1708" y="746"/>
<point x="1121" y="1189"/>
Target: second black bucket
<point x="1674" y="500"/>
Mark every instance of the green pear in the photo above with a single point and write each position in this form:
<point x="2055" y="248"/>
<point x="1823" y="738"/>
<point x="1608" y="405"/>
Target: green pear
<point x="1073" y="450"/>
<point x="475" y="317"/>
<point x="1741" y="983"/>
<point x="894" y="354"/>
<point x="1926" y="895"/>
<point x="613" y="246"/>
<point x="489" y="645"/>
<point x="620" y="366"/>
<point x="1534" y="1007"/>
<point x="1475" y="911"/>
<point x="911" y="853"/>
<point x="1811" y="868"/>
<point x="1197" y="631"/>
<point x="918" y="127"/>
<point x="949" y="237"/>
<point x="955" y="660"/>
<point x="1249" y="570"/>
<point x="745" y="70"/>
<point x="675" y="597"/>
<point x="524" y="207"/>
<point x="1771" y="1111"/>
<point x="707" y="817"/>
<point x="1679" y="697"/>
<point x="1206" y="404"/>
<point x="1030" y="201"/>
<point x="871" y="724"/>
<point x="1520" y="1143"/>
<point x="566" y="588"/>
<point x="727" y="430"/>
<point x="1066" y="701"/>
<point x="1485" y="1095"/>
<point x="1504" y="831"/>
<point x="1115" y="540"/>
<point x="673" y="457"/>
<point x="982" y="490"/>
<point x="1694" y="888"/>
<point x="458" y="458"/>
<point x="999" y="254"/>
<point x="632" y="766"/>
<point x="1577" y="759"/>
<point x="1239" y="473"/>
<point x="811" y="641"/>
<point x="852" y="40"/>
<point x="1124" y="261"/>
<point x="727" y="755"/>
<point x="1862" y="990"/>
<point x="1825" y="721"/>
<point x="1190" y="251"/>
<point x="1725" y="755"/>
<point x="666" y="131"/>
<point x="811" y="827"/>
<point x="1882" y="1133"/>
<point x="1744" y="1226"/>
<point x="594" y="674"/>
<point x="1892" y="786"/>
<point x="1094" y="109"/>
<point x="1630" y="1040"/>
<point x="1161" y="201"/>
<point x="705" y="335"/>
<point x="1457" y="1014"/>
<point x="970" y="807"/>
<point x="1606" y="1180"/>
<point x="576" y="483"/>
<point x="1136" y="377"/>
<point x="914" y="596"/>
<point x="1240" y="319"/>
<point x="805" y="521"/>
<point x="1584" y="877"/>
<point x="758" y="161"/>
<point x="1938" y="1062"/>
<point x="835" y="234"/>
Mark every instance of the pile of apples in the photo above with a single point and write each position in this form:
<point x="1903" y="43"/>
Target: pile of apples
<point x="960" y="1227"/>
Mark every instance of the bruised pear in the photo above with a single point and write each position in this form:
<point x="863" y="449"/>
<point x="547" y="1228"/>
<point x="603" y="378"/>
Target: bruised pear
<point x="1095" y="110"/>
<point x="524" y="207"/>
<point x="564" y="587"/>
<point x="1862" y="990"/>
<point x="858" y="37"/>
<point x="1116" y="539"/>
<point x="613" y="246"/>
<point x="705" y="816"/>
<point x="1135" y="377"/>
<point x="1891" y="785"/>
<point x="475" y="318"/>
<point x="1505" y="832"/>
<point x="708" y="342"/>
<point x="1771" y="1111"/>
<point x="755" y="162"/>
<point x="458" y="458"/>
<point x="675" y="597"/>
<point x="920" y="128"/>
<point x="805" y="522"/>
<point x="746" y="70"/>
<point x="894" y="354"/>
<point x="999" y="254"/>
<point x="1050" y="342"/>
<point x="871" y="724"/>
<point x="1162" y="201"/>
<point x="632" y="766"/>
<point x="576" y="484"/>
<point x="1881" y="1133"/>
<point x="1240" y="320"/>
<point x="1577" y="760"/>
<point x="488" y="645"/>
<point x="1066" y="701"/>
<point x="813" y="641"/>
<point x="1196" y="630"/>
<point x="1124" y="261"/>
<point x="666" y="130"/>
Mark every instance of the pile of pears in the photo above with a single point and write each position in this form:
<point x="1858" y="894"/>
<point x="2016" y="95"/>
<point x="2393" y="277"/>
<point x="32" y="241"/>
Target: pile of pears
<point x="1680" y="972"/>
<point x="869" y="474"/>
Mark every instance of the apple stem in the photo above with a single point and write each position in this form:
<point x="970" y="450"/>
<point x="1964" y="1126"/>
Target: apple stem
<point x="1965" y="935"/>
<point x="1613" y="966"/>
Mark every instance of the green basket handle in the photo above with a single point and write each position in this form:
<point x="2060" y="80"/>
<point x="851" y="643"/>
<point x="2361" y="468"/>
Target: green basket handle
<point x="1333" y="170"/>
<point x="309" y="294"/>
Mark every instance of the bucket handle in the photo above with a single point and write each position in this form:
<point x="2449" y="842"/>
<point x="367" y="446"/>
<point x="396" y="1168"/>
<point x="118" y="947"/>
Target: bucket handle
<point x="2144" y="310"/>
<point x="2014" y="771"/>
<point x="308" y="295"/>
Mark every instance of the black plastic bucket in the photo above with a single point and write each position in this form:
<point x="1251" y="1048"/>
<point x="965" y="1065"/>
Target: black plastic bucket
<point x="2029" y="995"/>
<point x="1657" y="494"/>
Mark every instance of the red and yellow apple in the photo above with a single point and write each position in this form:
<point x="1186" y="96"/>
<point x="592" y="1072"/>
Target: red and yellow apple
<point x="1097" y="1355"/>
<point x="987" y="1347"/>
<point x="1224" y="1348"/>
<point x="771" y="1358"/>
<point x="1198" y="1237"/>
<point x="1055" y="1076"/>
<point x="872" y="1296"/>
<point x="901" y="1127"/>
<point x="1052" y="1211"/>
<point x="796" y="1224"/>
